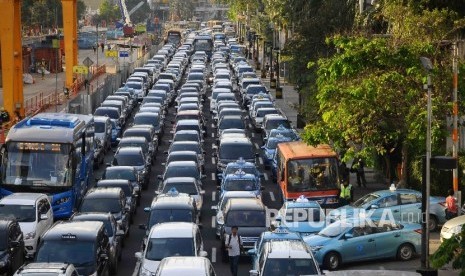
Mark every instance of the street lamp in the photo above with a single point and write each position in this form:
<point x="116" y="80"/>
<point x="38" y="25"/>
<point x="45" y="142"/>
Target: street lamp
<point x="428" y="66"/>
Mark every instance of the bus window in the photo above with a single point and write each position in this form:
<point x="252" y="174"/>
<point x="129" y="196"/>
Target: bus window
<point x="311" y="174"/>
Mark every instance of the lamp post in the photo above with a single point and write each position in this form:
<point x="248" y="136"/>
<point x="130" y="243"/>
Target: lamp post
<point x="256" y="51"/>
<point x="263" y="60"/>
<point x="425" y="206"/>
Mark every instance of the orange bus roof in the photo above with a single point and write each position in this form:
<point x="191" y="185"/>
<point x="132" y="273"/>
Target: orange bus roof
<point x="300" y="149"/>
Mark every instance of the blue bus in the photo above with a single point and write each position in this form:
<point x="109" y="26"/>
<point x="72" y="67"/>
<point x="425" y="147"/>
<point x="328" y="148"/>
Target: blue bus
<point x="204" y="43"/>
<point x="50" y="153"/>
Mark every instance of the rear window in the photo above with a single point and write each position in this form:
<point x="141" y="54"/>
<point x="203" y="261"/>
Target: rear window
<point x="134" y="85"/>
<point x="236" y="151"/>
<point x="246" y="218"/>
<point x="111" y="113"/>
<point x="139" y="133"/>
<point x="128" y="160"/>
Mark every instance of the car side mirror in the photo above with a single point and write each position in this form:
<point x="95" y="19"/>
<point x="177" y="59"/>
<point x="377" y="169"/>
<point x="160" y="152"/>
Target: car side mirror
<point x="138" y="255"/>
<point x="218" y="188"/>
<point x="214" y="207"/>
<point x="203" y="253"/>
<point x="348" y="236"/>
<point x="142" y="227"/>
<point x="165" y="152"/>
<point x="374" y="206"/>
<point x="160" y="177"/>
<point x="103" y="256"/>
<point x="253" y="272"/>
<point x="108" y="164"/>
<point x="15" y="243"/>
<point x="119" y="233"/>
<point x="262" y="188"/>
<point x="43" y="217"/>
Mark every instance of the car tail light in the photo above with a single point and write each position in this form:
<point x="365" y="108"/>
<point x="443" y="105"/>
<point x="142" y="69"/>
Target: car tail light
<point x="418" y="231"/>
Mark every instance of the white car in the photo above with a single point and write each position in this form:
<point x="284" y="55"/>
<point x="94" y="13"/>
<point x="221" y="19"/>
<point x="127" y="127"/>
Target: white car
<point x="452" y="227"/>
<point x="176" y="266"/>
<point x="167" y="240"/>
<point x="56" y="269"/>
<point x="33" y="213"/>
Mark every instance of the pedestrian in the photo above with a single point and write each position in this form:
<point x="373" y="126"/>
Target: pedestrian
<point x="234" y="245"/>
<point x="42" y="71"/>
<point x="86" y="84"/>
<point x="358" y="167"/>
<point x="451" y="205"/>
<point x="345" y="172"/>
<point x="267" y="68"/>
<point x="346" y="196"/>
<point x="94" y="48"/>
<point x="102" y="45"/>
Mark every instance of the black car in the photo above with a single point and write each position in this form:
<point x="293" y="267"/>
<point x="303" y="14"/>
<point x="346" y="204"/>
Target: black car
<point x="111" y="112"/>
<point x="148" y="118"/>
<point x="81" y="243"/>
<point x="146" y="131"/>
<point x="127" y="173"/>
<point x="140" y="142"/>
<point x="230" y="121"/>
<point x="115" y="236"/>
<point x="187" y="135"/>
<point x="12" y="252"/>
<point x="249" y="214"/>
<point x="134" y="156"/>
<point x="125" y="185"/>
<point x="189" y="125"/>
<point x="232" y="149"/>
<point x="185" y="156"/>
<point x="107" y="200"/>
<point x="182" y="169"/>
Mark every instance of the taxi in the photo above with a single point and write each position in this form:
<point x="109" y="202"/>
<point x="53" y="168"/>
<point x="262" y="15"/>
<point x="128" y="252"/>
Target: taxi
<point x="240" y="164"/>
<point x="270" y="148"/>
<point x="283" y="131"/>
<point x="240" y="181"/>
<point x="302" y="216"/>
<point x="355" y="239"/>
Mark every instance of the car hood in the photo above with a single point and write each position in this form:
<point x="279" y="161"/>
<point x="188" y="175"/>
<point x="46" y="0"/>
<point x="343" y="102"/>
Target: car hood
<point x="347" y="210"/>
<point x="305" y="227"/>
<point x="85" y="269"/>
<point x="317" y="240"/>
<point x="99" y="135"/>
<point x="27" y="227"/>
<point x="460" y="220"/>
<point x="150" y="265"/>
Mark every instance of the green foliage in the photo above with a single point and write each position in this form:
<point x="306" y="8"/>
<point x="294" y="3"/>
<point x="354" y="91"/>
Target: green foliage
<point x="181" y="10"/>
<point x="451" y="250"/>
<point x="109" y="12"/>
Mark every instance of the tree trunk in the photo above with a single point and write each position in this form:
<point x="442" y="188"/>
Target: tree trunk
<point x="403" y="177"/>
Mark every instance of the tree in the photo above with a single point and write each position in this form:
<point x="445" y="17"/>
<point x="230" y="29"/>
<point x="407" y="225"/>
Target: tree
<point x="181" y="10"/>
<point x="109" y="12"/>
<point x="451" y="250"/>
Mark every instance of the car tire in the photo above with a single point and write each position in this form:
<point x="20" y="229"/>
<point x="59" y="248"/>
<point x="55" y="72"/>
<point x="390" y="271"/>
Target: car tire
<point x="433" y="223"/>
<point x="332" y="261"/>
<point x="405" y="252"/>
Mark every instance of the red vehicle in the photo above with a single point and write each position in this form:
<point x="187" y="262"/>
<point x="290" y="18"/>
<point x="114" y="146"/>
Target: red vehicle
<point x="128" y="31"/>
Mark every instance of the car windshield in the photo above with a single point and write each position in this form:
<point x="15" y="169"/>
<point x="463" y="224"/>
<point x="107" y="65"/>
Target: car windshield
<point x="106" y="223"/>
<point x="181" y="171"/>
<point x="187" y="188"/>
<point x="195" y="77"/>
<point x="111" y="113"/>
<point x="246" y="218"/>
<point x="78" y="253"/>
<point x="289" y="267"/>
<point x="256" y="90"/>
<point x="365" y="201"/>
<point x="270" y="124"/>
<point x="186" y="137"/>
<point x="128" y="160"/>
<point x="126" y="188"/>
<point x="335" y="229"/>
<point x="182" y="157"/>
<point x="99" y="127"/>
<point x="296" y="214"/>
<point x="171" y="215"/>
<point x="146" y="120"/>
<point x="137" y="133"/>
<point x="159" y="248"/>
<point x="100" y="205"/>
<point x="235" y="151"/>
<point x="134" y="85"/>
<point x="22" y="213"/>
<point x="231" y="123"/>
<point x="120" y="174"/>
<point x="240" y="185"/>
<point x="262" y="112"/>
<point x="273" y="143"/>
<point x="185" y="147"/>
<point x="312" y="174"/>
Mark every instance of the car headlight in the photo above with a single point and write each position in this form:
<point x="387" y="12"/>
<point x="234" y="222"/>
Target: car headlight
<point x="30" y="235"/>
<point x="62" y="200"/>
<point x="455" y="230"/>
<point x="145" y="272"/>
<point x="316" y="248"/>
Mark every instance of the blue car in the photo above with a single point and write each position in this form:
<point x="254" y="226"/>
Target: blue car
<point x="279" y="234"/>
<point x="403" y="205"/>
<point x="240" y="181"/>
<point x="241" y="164"/>
<point x="302" y="216"/>
<point x="283" y="131"/>
<point x="270" y="148"/>
<point x="354" y="240"/>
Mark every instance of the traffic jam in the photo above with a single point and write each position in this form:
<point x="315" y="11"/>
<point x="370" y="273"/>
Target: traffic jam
<point x="190" y="168"/>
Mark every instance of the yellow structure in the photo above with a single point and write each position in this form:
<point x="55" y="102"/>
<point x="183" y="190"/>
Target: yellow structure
<point x="12" y="55"/>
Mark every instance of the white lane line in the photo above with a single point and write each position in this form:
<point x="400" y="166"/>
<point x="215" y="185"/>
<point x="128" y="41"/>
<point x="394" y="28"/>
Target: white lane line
<point x="257" y="146"/>
<point x="213" y="135"/>
<point x="213" y="176"/>
<point x="214" y="222"/>
<point x="213" y="146"/>
<point x="253" y="135"/>
<point x="213" y="160"/>
<point x="260" y="160"/>
<point x="213" y="125"/>
<point x="213" y="254"/>
<point x="272" y="196"/>
<point x="250" y="125"/>
<point x="265" y="175"/>
<point x="213" y="196"/>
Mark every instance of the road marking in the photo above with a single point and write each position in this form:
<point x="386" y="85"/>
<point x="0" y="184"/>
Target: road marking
<point x="260" y="160"/>
<point x="213" y="254"/>
<point x="256" y="146"/>
<point x="213" y="160"/>
<point x="213" y="146"/>
<point x="213" y="125"/>
<point x="253" y="135"/>
<point x="250" y="125"/>
<point x="272" y="196"/>
<point x="213" y="195"/>
<point x="265" y="175"/>
<point x="214" y="222"/>
<point x="213" y="176"/>
<point x="213" y="135"/>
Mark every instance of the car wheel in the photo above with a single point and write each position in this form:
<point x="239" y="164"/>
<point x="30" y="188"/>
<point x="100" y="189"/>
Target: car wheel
<point x="433" y="223"/>
<point x="405" y="252"/>
<point x="332" y="261"/>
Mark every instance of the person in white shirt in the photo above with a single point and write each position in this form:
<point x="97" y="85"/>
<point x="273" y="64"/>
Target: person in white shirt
<point x="234" y="245"/>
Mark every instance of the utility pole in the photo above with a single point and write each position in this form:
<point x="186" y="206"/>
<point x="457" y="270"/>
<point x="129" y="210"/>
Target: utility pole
<point x="455" y="111"/>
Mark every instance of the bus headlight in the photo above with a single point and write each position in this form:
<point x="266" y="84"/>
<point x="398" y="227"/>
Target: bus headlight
<point x="63" y="200"/>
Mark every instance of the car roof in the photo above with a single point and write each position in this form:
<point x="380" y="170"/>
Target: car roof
<point x="101" y="119"/>
<point x="389" y="192"/>
<point x="182" y="164"/>
<point x="296" y="249"/>
<point x="177" y="200"/>
<point x="187" y="122"/>
<point x="116" y="168"/>
<point x="113" y="182"/>
<point x="92" y="216"/>
<point x="134" y="139"/>
<point x="281" y="233"/>
<point x="128" y="150"/>
<point x="173" y="230"/>
<point x="103" y="192"/>
<point x="179" y="180"/>
<point x="235" y="140"/>
<point x="22" y="198"/>
<point x="44" y="268"/>
<point x="304" y="204"/>
<point x="242" y="175"/>
<point x="76" y="230"/>
<point x="178" y="264"/>
<point x="246" y="204"/>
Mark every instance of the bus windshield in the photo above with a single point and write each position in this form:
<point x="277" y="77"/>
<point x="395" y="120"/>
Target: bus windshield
<point x="306" y="175"/>
<point x="37" y="164"/>
<point x="203" y="45"/>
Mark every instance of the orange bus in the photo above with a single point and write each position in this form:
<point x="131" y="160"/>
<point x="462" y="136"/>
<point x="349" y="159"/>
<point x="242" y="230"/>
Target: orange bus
<point x="308" y="171"/>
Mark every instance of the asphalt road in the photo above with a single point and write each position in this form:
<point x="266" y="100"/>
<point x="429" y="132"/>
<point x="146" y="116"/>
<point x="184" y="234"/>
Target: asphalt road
<point x="211" y="243"/>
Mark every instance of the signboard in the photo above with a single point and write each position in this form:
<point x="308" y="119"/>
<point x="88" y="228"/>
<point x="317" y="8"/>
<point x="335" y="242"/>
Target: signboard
<point x="80" y="69"/>
<point x="111" y="53"/>
<point x="123" y="54"/>
<point x="87" y="62"/>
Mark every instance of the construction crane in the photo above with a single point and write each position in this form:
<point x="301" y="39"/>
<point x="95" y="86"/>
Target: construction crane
<point x="128" y="27"/>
